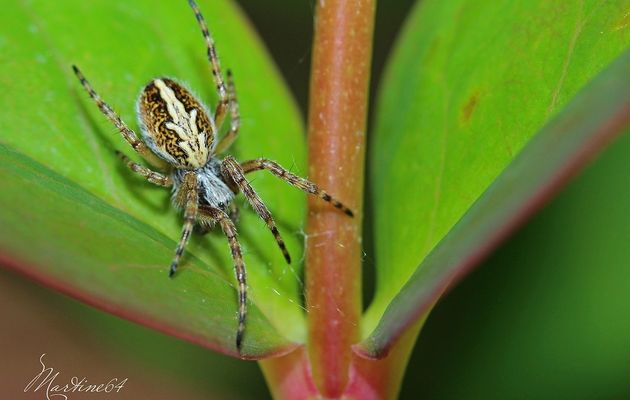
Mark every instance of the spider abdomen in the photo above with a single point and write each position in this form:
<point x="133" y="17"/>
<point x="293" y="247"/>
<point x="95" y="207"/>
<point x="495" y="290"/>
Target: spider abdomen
<point x="175" y="124"/>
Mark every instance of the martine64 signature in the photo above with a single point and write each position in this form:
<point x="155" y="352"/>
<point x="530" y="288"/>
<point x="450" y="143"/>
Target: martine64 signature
<point x="46" y="382"/>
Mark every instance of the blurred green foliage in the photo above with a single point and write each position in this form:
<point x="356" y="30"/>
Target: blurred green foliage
<point x="584" y="126"/>
<point x="546" y="317"/>
<point x="469" y="84"/>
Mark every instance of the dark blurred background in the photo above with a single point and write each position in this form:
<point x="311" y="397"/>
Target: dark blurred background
<point x="545" y="317"/>
<point x="287" y="30"/>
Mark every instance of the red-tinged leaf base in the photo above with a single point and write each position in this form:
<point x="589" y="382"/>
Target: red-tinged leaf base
<point x="290" y="376"/>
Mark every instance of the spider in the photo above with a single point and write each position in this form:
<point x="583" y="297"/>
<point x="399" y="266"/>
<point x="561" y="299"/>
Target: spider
<point x="180" y="138"/>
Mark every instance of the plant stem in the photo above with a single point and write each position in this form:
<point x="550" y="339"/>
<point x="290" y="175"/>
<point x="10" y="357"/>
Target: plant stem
<point x="340" y="74"/>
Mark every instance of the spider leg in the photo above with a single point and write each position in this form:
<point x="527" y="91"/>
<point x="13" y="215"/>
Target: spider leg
<point x="219" y="113"/>
<point x="150" y="175"/>
<point x="188" y="193"/>
<point x="239" y="266"/>
<point x="234" y="213"/>
<point x="294" y="180"/>
<point x="128" y="134"/>
<point x="232" y="170"/>
<point x="206" y="225"/>
<point x="235" y="119"/>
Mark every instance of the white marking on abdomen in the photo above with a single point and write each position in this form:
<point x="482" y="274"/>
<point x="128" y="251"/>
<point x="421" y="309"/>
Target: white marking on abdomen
<point x="184" y="125"/>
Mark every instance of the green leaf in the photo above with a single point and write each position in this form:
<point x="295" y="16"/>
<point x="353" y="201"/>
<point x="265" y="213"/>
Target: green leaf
<point x="596" y="115"/>
<point x="468" y="87"/>
<point x="546" y="317"/>
<point x="50" y="131"/>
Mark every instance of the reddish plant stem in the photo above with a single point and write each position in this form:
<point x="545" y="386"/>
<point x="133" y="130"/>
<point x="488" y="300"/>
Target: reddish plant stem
<point x="289" y="376"/>
<point x="340" y="74"/>
<point x="381" y="379"/>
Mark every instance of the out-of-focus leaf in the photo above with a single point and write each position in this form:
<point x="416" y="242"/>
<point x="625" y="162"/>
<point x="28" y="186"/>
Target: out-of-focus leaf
<point x="596" y="115"/>
<point x="469" y="85"/>
<point x="546" y="316"/>
<point x="51" y="130"/>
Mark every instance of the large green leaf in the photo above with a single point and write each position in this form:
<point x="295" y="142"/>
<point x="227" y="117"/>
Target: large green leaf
<point x="546" y="317"/>
<point x="73" y="217"/>
<point x="471" y="82"/>
<point x="595" y="116"/>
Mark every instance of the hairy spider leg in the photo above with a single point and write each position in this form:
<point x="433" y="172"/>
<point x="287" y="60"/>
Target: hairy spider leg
<point x="219" y="113"/>
<point x="294" y="180"/>
<point x="188" y="196"/>
<point x="214" y="214"/>
<point x="235" y="119"/>
<point x="128" y="134"/>
<point x="150" y="175"/>
<point x="232" y="171"/>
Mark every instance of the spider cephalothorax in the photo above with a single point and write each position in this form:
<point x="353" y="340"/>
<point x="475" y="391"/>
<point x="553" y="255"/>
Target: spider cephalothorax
<point x="180" y="137"/>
